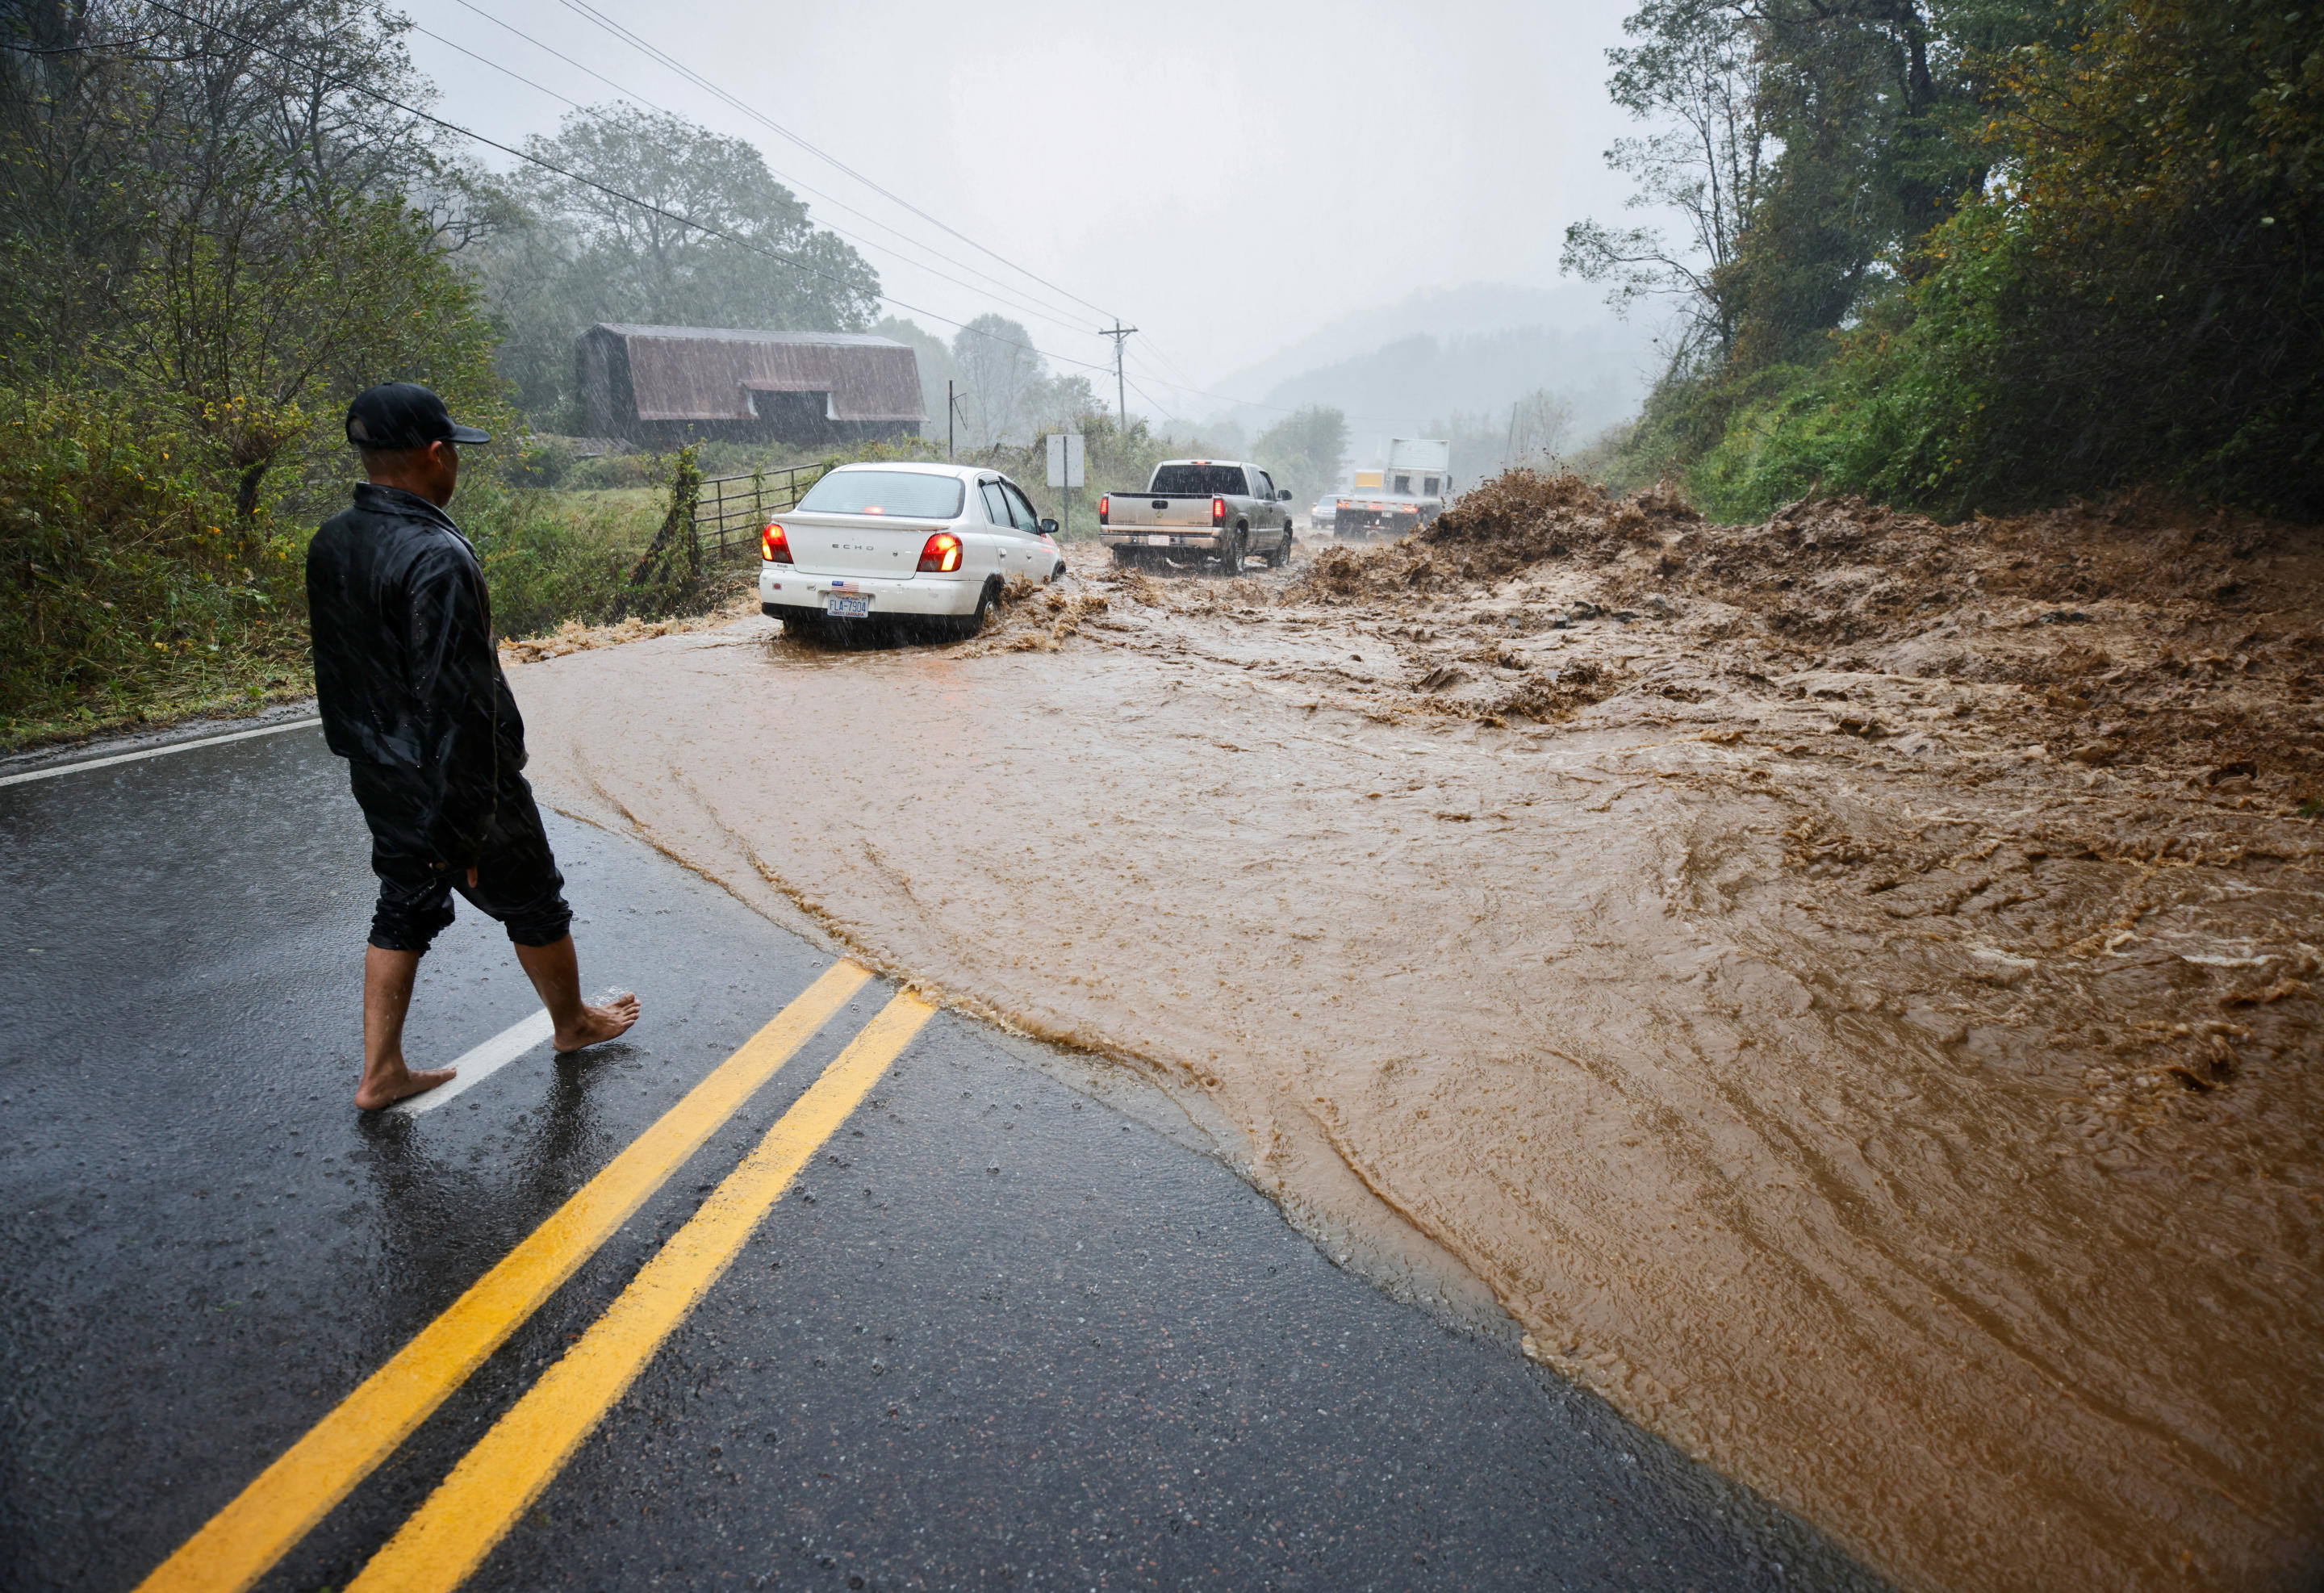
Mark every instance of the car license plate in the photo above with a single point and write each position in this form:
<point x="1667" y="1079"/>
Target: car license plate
<point x="847" y="605"/>
<point x="1157" y="541"/>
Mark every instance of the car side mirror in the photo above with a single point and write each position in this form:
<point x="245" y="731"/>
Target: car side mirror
<point x="1048" y="528"/>
<point x="1284" y="496"/>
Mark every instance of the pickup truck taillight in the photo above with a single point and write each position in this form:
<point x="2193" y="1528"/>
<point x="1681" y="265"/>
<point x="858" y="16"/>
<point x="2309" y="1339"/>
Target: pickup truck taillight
<point x="1218" y="511"/>
<point x="773" y="546"/>
<point x="940" y="555"/>
<point x="1103" y="504"/>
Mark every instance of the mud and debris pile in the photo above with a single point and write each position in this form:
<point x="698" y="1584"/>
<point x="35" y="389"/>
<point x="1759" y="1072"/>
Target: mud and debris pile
<point x="1511" y="523"/>
<point x="1847" y="986"/>
<point x="1036" y="619"/>
<point x="574" y="636"/>
<point x="2138" y="634"/>
<point x="2133" y="685"/>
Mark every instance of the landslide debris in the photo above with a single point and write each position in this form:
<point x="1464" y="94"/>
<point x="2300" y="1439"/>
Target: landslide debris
<point x="2134" y="634"/>
<point x="1035" y="619"/>
<point x="574" y="636"/>
<point x="1847" y="985"/>
<point x="2133" y="688"/>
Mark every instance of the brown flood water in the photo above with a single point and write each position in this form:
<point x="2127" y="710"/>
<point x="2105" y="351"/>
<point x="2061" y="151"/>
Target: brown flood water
<point x="1858" y="1126"/>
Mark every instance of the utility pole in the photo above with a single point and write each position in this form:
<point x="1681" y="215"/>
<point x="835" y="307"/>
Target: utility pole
<point x="1118" y="332"/>
<point x="949" y="402"/>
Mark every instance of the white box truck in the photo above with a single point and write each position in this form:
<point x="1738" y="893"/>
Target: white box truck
<point x="1401" y="497"/>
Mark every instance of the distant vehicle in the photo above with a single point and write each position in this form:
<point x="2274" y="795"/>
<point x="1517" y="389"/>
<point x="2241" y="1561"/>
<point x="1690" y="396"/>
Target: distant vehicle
<point x="1222" y="508"/>
<point x="1401" y="497"/>
<point x="1424" y="460"/>
<point x="925" y="546"/>
<point x="1319" y="519"/>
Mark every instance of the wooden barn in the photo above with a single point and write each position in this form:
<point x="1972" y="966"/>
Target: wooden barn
<point x="665" y="385"/>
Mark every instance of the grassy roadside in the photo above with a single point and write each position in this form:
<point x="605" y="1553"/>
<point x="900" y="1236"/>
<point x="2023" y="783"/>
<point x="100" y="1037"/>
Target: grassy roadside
<point x="147" y="602"/>
<point x="230" y="688"/>
<point x="551" y="557"/>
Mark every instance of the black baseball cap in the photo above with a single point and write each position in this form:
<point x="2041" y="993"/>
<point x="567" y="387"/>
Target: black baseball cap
<point x="405" y="414"/>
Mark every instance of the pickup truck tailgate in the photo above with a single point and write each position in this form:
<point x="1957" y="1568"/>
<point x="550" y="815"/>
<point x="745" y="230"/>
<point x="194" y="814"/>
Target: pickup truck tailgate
<point x="855" y="545"/>
<point x="1125" y="510"/>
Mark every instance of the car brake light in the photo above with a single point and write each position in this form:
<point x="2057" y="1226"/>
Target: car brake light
<point x="1218" y="511"/>
<point x="773" y="546"/>
<point x="1103" y="504"/>
<point x="941" y="554"/>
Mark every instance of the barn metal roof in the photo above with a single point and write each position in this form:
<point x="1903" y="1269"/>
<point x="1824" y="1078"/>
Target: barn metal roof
<point x="709" y="372"/>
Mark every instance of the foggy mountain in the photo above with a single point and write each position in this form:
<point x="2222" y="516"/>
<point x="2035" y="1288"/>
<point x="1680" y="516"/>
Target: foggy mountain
<point x="1401" y="369"/>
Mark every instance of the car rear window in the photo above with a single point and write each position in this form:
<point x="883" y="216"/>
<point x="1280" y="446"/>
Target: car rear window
<point x="885" y="491"/>
<point x="1198" y="480"/>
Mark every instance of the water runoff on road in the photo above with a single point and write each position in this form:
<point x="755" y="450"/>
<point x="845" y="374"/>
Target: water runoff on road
<point x="1813" y="1100"/>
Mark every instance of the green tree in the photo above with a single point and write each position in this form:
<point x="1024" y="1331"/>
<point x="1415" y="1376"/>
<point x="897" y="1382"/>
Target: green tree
<point x="1695" y="69"/>
<point x="2135" y="298"/>
<point x="577" y="254"/>
<point x="933" y="356"/>
<point x="1002" y="376"/>
<point x="119" y="121"/>
<point x="1304" y="451"/>
<point x="258" y="318"/>
<point x="1807" y="146"/>
<point x="210" y="237"/>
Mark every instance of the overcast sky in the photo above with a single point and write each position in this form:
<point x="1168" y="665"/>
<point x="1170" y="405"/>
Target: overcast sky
<point x="1227" y="177"/>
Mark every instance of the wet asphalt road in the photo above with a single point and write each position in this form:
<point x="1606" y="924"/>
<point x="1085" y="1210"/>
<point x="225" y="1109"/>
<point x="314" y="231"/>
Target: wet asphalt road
<point x="998" y="1335"/>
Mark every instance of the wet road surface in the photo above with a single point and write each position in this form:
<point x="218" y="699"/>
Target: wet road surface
<point x="1822" y="1056"/>
<point x="995" y="1334"/>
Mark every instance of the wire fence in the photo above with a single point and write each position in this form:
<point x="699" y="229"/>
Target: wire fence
<point x="731" y="509"/>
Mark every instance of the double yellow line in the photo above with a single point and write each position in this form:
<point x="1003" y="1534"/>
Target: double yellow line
<point x="473" y="1507"/>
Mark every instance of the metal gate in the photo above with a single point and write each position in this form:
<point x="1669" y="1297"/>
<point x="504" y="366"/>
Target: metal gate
<point x="731" y="509"/>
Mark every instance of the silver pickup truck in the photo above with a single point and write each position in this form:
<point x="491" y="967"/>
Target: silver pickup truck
<point x="1207" y="508"/>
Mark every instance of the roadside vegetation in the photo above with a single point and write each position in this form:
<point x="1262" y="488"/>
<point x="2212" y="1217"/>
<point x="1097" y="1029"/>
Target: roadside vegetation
<point x="1954" y="255"/>
<point x="218" y="226"/>
<point x="1975" y="254"/>
<point x="205" y="249"/>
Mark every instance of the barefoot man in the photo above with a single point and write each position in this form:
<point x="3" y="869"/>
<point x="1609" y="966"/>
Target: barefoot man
<point x="413" y="697"/>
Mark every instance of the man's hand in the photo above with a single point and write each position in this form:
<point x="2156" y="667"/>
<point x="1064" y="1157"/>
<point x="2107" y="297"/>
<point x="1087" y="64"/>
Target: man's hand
<point x="472" y="875"/>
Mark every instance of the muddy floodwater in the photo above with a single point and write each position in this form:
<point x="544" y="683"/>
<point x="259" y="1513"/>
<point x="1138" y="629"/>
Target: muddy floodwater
<point x="1876" y="1048"/>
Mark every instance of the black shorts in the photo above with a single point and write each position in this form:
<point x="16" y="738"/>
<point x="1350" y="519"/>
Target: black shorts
<point x="517" y="882"/>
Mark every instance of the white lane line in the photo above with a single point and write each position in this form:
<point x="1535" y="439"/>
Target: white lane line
<point x="481" y="1064"/>
<point x="239" y="735"/>
<point x="474" y="1067"/>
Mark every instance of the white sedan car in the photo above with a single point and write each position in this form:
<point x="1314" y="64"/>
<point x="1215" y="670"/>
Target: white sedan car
<point x="925" y="544"/>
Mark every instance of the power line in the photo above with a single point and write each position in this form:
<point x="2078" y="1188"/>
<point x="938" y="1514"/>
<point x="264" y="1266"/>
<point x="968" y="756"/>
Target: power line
<point x="1161" y="410"/>
<point x="654" y="52"/>
<point x="1055" y="314"/>
<point x="1119" y="333"/>
<point x="780" y="257"/>
<point x="648" y="205"/>
<point x="1040" y="313"/>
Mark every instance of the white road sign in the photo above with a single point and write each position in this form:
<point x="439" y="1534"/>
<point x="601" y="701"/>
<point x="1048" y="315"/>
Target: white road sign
<point x="1065" y="459"/>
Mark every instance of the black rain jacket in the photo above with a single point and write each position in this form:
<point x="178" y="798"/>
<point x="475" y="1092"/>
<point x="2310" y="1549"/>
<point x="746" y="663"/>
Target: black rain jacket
<point x="406" y="673"/>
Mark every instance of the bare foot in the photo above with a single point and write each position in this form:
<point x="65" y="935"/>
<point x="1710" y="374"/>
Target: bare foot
<point x="600" y="1024"/>
<point x="390" y="1085"/>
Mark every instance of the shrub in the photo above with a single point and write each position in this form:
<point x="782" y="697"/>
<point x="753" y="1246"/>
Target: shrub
<point x="552" y="557"/>
<point x="126" y="577"/>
